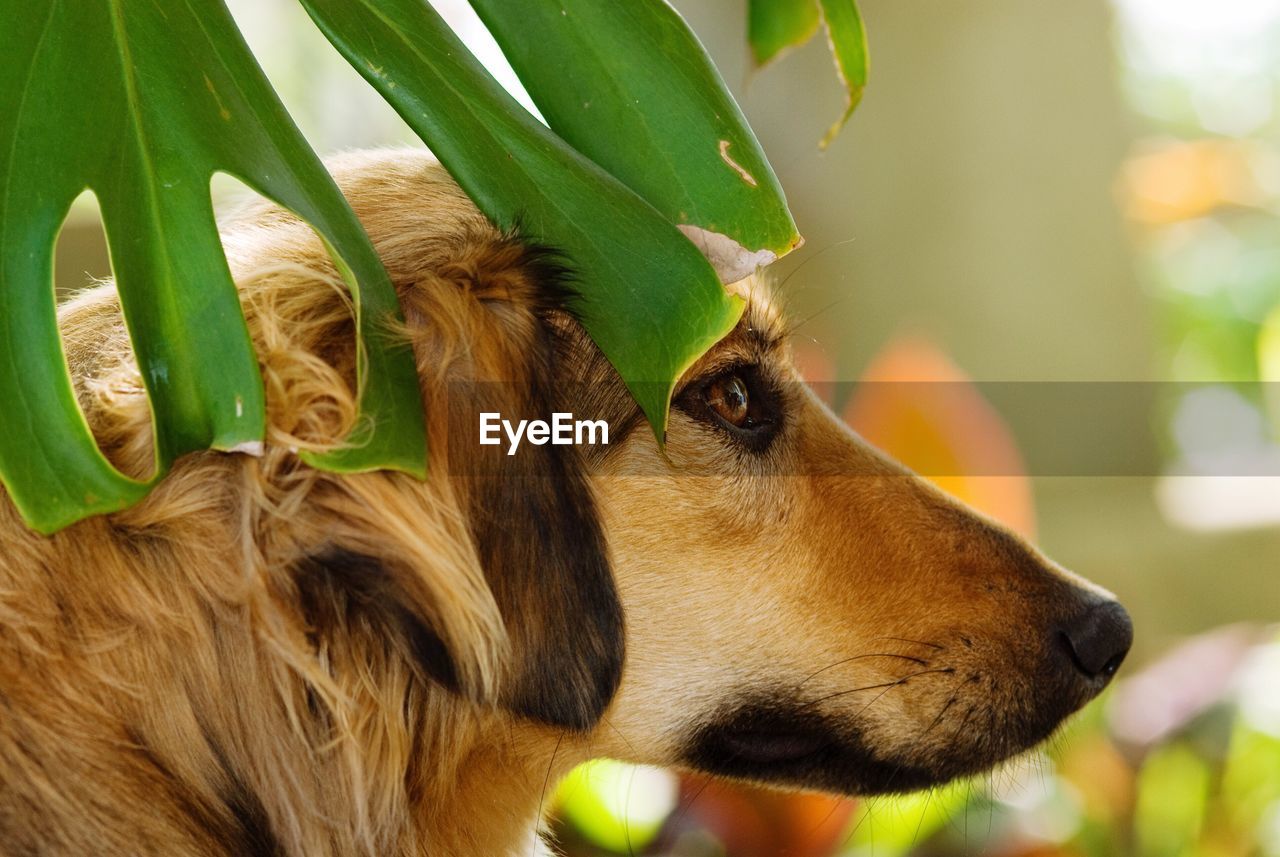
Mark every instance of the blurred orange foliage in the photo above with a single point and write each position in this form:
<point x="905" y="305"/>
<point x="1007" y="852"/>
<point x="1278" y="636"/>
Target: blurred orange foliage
<point x="919" y="407"/>
<point x="1173" y="180"/>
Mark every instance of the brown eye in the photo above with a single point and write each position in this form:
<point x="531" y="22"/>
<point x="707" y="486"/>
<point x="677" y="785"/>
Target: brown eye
<point x="729" y="399"/>
<point x="739" y="404"/>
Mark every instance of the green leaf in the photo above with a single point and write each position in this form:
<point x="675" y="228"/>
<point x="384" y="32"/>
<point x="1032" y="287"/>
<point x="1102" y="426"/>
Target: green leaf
<point x="848" y="41"/>
<point x="776" y="25"/>
<point x="142" y="105"/>
<point x="647" y="297"/>
<point x="628" y="85"/>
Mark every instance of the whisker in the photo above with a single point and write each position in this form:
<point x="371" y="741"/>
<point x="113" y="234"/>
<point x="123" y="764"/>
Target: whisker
<point x="916" y="642"/>
<point x="844" y="661"/>
<point x="687" y="805"/>
<point x="626" y="815"/>
<point x="866" y="813"/>
<point x="887" y="685"/>
<point x="546" y="781"/>
<point x="835" y="804"/>
<point x="991" y="805"/>
<point x="816" y="256"/>
<point x="938" y="719"/>
<point x="923" y="812"/>
<point x="964" y="722"/>
<point x="618" y="732"/>
<point x="794" y="325"/>
<point x="968" y="805"/>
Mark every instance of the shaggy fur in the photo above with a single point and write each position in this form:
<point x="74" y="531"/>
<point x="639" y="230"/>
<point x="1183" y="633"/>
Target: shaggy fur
<point x="264" y="659"/>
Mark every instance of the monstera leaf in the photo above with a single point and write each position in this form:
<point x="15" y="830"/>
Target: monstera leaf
<point x="645" y="102"/>
<point x="141" y="103"/>
<point x="648" y="298"/>
<point x="775" y="25"/>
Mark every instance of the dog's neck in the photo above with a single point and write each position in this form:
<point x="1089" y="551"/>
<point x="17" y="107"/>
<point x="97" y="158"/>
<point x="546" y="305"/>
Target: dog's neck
<point x="509" y="784"/>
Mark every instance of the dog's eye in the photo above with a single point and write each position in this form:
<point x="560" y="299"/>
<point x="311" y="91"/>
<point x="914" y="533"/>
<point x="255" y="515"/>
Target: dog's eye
<point x="730" y="400"/>
<point x="739" y="403"/>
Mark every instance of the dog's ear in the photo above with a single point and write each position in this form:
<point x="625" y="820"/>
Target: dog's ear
<point x="537" y="627"/>
<point x="493" y="576"/>
<point x="534" y="528"/>
<point x="540" y="542"/>
<point x="531" y="515"/>
<point x="546" y="562"/>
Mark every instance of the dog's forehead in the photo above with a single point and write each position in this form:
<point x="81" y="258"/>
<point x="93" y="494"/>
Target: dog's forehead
<point x="760" y="334"/>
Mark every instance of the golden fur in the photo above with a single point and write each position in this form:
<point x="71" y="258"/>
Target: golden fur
<point x="262" y="658"/>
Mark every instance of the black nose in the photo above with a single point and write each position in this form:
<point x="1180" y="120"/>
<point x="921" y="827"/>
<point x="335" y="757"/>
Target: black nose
<point x="1098" y="639"/>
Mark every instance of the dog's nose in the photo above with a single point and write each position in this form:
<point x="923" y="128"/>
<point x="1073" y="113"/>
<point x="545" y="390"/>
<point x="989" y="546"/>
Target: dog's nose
<point x="1098" y="639"/>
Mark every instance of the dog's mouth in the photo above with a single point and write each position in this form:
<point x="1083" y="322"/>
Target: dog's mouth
<point x="782" y="744"/>
<point x="763" y="747"/>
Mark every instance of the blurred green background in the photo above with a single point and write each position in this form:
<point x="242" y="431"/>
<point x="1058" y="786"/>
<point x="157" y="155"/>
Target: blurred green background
<point x="1035" y="192"/>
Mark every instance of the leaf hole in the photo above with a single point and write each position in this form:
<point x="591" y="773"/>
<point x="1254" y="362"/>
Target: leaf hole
<point x="96" y="344"/>
<point x="81" y="259"/>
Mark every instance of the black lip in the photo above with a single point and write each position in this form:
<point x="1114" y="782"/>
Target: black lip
<point x="780" y="744"/>
<point x="779" y="740"/>
<point x="765" y="747"/>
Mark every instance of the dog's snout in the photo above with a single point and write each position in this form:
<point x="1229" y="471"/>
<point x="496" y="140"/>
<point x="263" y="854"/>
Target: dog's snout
<point x="1098" y="639"/>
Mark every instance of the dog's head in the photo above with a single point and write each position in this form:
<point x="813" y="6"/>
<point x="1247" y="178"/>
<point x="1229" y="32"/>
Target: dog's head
<point x="803" y="611"/>
<point x="797" y="608"/>
<point x="765" y="596"/>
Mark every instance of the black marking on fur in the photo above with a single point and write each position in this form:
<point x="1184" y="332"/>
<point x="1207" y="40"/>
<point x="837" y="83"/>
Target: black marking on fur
<point x="339" y="585"/>
<point x="184" y="801"/>
<point x="240" y="825"/>
<point x="779" y="739"/>
<point x="781" y="743"/>
<point x="552" y="273"/>
<point x="583" y="379"/>
<point x="256" y="836"/>
<point x="535" y="526"/>
<point x="545" y="558"/>
<point x="253" y="835"/>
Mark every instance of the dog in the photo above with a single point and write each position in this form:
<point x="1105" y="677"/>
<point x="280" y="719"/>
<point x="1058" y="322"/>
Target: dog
<point x="265" y="659"/>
